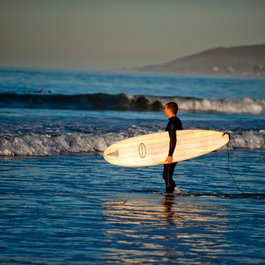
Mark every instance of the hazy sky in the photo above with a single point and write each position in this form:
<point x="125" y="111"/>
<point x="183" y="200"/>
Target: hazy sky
<point x="112" y="34"/>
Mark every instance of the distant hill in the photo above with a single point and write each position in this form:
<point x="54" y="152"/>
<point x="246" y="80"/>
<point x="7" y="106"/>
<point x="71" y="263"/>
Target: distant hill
<point x="237" y="61"/>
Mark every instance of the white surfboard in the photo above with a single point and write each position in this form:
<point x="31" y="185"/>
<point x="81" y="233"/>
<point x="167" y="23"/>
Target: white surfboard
<point x="152" y="149"/>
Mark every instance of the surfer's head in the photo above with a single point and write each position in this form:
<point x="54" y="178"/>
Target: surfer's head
<point x="171" y="107"/>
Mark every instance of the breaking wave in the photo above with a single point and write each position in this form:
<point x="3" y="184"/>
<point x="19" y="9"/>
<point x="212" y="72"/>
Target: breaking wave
<point x="46" y="145"/>
<point x="123" y="102"/>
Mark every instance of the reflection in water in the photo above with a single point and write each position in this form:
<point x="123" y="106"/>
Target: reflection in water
<point x="143" y="229"/>
<point x="168" y="212"/>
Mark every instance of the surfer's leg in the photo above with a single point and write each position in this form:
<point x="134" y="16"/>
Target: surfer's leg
<point x="171" y="181"/>
<point x="167" y="176"/>
<point x="165" y="173"/>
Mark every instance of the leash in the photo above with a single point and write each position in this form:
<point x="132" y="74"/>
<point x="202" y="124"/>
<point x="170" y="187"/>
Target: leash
<point x="228" y="167"/>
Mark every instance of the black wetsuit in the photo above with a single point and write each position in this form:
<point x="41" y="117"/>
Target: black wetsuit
<point x="174" y="123"/>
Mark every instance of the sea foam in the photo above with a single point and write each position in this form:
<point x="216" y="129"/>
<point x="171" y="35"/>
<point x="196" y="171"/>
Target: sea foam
<point x="46" y="145"/>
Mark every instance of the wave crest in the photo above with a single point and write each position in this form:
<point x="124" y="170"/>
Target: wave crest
<point x="123" y="102"/>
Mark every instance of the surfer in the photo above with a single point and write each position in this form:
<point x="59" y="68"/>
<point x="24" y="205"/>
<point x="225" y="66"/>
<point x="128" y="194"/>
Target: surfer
<point x="174" y="123"/>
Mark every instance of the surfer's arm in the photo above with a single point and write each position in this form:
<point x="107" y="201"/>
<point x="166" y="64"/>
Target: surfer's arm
<point x="173" y="139"/>
<point x="172" y="143"/>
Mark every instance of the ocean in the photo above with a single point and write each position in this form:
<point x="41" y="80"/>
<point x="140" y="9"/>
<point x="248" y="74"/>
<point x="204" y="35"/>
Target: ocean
<point x="62" y="203"/>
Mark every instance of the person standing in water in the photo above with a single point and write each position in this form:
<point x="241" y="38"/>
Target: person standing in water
<point x="174" y="123"/>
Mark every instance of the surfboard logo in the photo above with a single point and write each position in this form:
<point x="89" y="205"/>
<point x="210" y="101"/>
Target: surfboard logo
<point x="142" y="150"/>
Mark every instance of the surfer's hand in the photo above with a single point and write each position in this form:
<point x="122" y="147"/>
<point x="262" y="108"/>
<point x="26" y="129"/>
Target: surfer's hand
<point x="169" y="160"/>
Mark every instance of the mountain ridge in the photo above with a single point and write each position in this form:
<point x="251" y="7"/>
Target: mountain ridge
<point x="248" y="60"/>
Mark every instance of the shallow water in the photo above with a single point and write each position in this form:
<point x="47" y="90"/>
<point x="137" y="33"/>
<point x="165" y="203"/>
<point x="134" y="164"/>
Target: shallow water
<point x="77" y="209"/>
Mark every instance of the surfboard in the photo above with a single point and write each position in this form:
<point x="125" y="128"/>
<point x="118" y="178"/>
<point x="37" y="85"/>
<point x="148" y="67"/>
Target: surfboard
<point x="152" y="149"/>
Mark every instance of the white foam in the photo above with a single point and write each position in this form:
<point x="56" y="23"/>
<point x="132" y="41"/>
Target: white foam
<point x="43" y="145"/>
<point x="247" y="105"/>
<point x="46" y="145"/>
<point x="248" y="140"/>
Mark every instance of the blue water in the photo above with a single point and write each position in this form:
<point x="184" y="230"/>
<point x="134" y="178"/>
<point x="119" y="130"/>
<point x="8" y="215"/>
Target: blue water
<point x="62" y="203"/>
<point x="71" y="83"/>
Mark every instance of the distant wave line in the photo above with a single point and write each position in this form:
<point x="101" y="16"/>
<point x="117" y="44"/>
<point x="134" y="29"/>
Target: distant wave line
<point x="126" y="102"/>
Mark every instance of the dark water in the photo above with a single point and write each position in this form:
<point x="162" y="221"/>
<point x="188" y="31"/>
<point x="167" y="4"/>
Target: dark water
<point x="76" y="209"/>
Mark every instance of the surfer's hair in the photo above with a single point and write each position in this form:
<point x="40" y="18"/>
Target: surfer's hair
<point x="173" y="106"/>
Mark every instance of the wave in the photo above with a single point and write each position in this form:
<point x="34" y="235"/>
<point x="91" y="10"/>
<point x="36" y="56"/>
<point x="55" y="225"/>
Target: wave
<point x="125" y="102"/>
<point x="48" y="144"/>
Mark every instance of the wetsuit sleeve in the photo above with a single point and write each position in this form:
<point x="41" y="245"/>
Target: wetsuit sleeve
<point x="173" y="139"/>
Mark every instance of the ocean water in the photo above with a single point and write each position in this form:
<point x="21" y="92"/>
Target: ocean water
<point x="62" y="203"/>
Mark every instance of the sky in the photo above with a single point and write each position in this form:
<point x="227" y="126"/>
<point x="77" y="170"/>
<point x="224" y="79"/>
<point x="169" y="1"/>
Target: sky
<point x="108" y="35"/>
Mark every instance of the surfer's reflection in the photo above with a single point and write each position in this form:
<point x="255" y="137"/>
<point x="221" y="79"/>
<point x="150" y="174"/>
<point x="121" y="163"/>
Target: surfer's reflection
<point x="168" y="203"/>
<point x="145" y="228"/>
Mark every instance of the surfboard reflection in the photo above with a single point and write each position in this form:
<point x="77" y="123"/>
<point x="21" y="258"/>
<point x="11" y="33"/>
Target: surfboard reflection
<point x="151" y="228"/>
